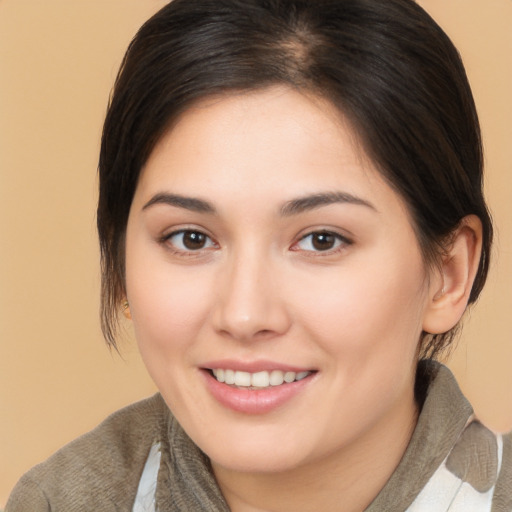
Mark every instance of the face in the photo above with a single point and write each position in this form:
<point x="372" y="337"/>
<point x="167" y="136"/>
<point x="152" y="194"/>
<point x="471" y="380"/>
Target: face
<point x="276" y="286"/>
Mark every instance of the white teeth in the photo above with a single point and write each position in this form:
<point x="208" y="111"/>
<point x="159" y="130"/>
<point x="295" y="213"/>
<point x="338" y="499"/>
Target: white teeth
<point x="229" y="376"/>
<point x="259" y="379"/>
<point x="242" y="379"/>
<point x="276" y="378"/>
<point x="289" y="377"/>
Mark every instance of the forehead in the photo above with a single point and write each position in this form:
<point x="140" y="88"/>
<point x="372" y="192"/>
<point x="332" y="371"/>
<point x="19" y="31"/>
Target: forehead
<point x="277" y="122"/>
<point x="272" y="143"/>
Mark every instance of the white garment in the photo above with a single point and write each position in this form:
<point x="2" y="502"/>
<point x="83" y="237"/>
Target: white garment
<point x="145" y="499"/>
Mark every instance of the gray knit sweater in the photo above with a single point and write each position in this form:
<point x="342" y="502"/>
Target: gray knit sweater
<point x="453" y="463"/>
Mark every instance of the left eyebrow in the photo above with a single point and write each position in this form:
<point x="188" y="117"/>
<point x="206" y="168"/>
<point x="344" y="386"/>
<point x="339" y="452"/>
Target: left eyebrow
<point x="306" y="203"/>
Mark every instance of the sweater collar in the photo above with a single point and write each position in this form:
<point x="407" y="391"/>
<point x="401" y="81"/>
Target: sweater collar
<point x="443" y="417"/>
<point x="186" y="481"/>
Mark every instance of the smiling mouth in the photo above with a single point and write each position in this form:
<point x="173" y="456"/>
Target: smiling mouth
<point x="258" y="380"/>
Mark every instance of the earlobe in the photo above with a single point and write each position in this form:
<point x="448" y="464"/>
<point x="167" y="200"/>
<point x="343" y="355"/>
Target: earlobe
<point x="450" y="291"/>
<point x="126" y="310"/>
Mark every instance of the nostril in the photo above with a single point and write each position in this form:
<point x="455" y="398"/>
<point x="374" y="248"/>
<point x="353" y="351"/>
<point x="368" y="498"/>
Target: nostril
<point x="264" y="333"/>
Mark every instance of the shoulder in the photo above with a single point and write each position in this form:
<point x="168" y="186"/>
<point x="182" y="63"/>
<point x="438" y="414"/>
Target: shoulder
<point x="99" y="470"/>
<point x="503" y="492"/>
<point x="480" y="460"/>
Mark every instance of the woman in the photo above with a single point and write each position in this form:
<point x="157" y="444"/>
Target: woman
<point x="291" y="215"/>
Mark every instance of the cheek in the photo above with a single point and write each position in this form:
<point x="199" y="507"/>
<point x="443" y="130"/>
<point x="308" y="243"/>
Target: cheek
<point x="366" y="307"/>
<point x="168" y="304"/>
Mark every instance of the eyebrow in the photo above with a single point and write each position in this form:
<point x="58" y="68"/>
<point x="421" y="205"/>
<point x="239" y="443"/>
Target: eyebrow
<point x="310" y="202"/>
<point x="292" y="207"/>
<point x="189" y="203"/>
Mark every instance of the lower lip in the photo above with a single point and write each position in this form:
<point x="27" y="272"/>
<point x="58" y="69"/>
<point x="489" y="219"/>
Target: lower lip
<point x="254" y="401"/>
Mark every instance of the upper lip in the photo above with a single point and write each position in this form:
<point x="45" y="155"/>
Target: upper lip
<point x="253" y="366"/>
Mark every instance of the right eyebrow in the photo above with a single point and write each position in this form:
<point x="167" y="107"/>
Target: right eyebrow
<point x="188" y="203"/>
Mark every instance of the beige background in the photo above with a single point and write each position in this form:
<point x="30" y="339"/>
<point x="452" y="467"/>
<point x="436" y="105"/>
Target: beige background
<point x="58" y="59"/>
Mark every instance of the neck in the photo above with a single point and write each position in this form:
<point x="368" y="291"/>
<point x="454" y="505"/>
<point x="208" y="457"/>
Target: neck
<point x="353" y="476"/>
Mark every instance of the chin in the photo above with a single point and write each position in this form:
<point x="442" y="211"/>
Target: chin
<point x="253" y="452"/>
<point x="261" y="463"/>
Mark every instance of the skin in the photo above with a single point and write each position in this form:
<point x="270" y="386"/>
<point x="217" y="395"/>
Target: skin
<point x="259" y="289"/>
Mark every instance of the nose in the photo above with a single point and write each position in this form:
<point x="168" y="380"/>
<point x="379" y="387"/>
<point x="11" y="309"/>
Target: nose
<point x="250" y="303"/>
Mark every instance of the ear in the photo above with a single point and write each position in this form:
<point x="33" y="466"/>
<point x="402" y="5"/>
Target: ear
<point x="126" y="310"/>
<point x="450" y="288"/>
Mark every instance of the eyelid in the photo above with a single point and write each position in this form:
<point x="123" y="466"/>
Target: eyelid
<point x="184" y="251"/>
<point x="342" y="242"/>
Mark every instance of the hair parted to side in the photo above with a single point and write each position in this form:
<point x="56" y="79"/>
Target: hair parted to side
<point x="384" y="64"/>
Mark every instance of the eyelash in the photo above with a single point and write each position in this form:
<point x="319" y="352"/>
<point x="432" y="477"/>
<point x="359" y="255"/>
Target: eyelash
<point x="187" y="252"/>
<point x="340" y="241"/>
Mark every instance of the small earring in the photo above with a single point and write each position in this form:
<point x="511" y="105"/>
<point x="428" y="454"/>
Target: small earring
<point x="126" y="310"/>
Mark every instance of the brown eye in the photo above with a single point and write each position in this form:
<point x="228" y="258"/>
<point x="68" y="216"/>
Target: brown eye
<point x="189" y="240"/>
<point x="194" y="240"/>
<point x="321" y="241"/>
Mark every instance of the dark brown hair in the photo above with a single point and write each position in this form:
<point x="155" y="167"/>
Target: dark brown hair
<point x="385" y="64"/>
